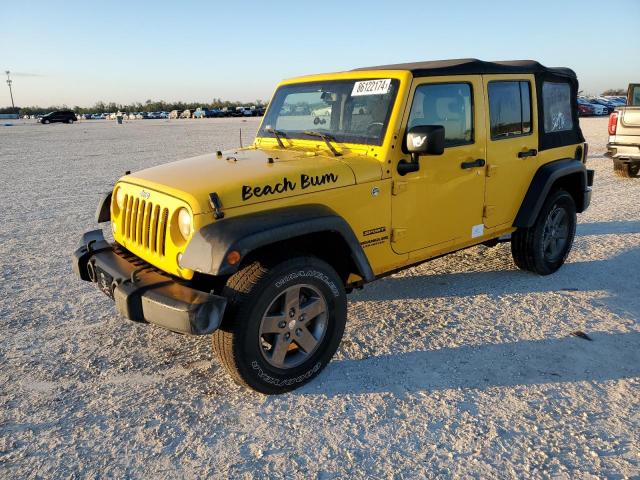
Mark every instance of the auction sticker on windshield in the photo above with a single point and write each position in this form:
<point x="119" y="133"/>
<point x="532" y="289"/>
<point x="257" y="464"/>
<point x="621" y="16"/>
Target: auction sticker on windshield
<point x="371" y="87"/>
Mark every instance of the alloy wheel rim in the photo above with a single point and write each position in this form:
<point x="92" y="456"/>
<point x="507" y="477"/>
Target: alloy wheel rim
<point x="555" y="234"/>
<point x="293" y="326"/>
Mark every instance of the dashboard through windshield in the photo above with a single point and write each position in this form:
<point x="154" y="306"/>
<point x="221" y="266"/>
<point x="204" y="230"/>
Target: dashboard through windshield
<point x="347" y="111"/>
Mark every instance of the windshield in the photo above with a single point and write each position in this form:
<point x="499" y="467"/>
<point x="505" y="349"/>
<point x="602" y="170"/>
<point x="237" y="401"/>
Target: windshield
<point x="350" y="111"/>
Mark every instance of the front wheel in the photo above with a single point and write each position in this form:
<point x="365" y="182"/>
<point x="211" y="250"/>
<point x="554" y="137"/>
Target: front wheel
<point x="544" y="247"/>
<point x="284" y="322"/>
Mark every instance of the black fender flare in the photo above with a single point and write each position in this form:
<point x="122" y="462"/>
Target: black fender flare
<point x="103" y="212"/>
<point x="207" y="251"/>
<point x="541" y="185"/>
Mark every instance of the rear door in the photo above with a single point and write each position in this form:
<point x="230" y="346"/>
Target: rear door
<point x="512" y="143"/>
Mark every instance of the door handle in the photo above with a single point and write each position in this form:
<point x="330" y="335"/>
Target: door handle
<point x="528" y="153"/>
<point x="476" y="163"/>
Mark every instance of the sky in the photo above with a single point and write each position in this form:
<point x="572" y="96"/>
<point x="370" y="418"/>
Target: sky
<point x="79" y="52"/>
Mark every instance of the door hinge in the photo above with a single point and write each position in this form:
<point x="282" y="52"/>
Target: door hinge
<point x="398" y="187"/>
<point x="488" y="210"/>
<point x="398" y="234"/>
<point x="491" y="170"/>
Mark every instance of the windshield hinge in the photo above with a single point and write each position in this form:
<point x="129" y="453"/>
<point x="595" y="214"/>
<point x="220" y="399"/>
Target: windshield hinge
<point x="215" y="203"/>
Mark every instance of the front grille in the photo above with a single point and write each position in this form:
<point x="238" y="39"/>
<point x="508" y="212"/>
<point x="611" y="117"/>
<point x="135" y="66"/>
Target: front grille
<point x="145" y="224"/>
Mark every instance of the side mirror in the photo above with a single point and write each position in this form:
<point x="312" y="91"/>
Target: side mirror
<point x="421" y="140"/>
<point x="426" y="140"/>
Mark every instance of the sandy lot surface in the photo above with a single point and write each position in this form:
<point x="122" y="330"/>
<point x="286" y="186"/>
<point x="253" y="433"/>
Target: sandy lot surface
<point x="463" y="366"/>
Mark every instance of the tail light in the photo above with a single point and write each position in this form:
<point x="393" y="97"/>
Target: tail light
<point x="585" y="152"/>
<point x="613" y="123"/>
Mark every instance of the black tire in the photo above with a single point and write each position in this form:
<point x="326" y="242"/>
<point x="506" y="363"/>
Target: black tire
<point x="626" y="170"/>
<point x="544" y="247"/>
<point x="45" y="122"/>
<point x="254" y="292"/>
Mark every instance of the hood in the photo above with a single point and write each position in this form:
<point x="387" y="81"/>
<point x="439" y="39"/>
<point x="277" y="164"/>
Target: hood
<point x="245" y="177"/>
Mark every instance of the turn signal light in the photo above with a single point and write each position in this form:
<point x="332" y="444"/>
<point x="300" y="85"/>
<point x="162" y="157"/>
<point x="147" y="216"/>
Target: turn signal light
<point x="233" y="257"/>
<point x="613" y="123"/>
<point x="585" y="153"/>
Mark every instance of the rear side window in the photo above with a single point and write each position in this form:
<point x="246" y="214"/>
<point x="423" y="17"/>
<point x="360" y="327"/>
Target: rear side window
<point x="635" y="96"/>
<point x="446" y="104"/>
<point x="509" y="109"/>
<point x="556" y="104"/>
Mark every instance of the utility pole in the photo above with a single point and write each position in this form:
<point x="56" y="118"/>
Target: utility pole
<point x="9" y="82"/>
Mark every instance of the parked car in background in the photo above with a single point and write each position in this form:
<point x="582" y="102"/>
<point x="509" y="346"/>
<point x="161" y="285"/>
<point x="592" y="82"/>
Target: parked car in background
<point x="186" y="114"/>
<point x="200" y="113"/>
<point x="616" y="101"/>
<point x="175" y="113"/>
<point x="59" y="116"/>
<point x="214" y="113"/>
<point x="605" y="103"/>
<point x="624" y="135"/>
<point x="597" y="109"/>
<point x="585" y="109"/>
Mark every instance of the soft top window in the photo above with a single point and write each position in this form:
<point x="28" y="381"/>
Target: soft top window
<point x="556" y="104"/>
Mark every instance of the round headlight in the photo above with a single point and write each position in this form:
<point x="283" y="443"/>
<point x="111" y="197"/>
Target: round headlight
<point x="184" y="222"/>
<point x="120" y="198"/>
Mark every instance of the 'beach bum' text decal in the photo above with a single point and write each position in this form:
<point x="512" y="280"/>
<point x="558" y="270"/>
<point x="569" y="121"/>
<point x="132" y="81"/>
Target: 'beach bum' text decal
<point x="287" y="185"/>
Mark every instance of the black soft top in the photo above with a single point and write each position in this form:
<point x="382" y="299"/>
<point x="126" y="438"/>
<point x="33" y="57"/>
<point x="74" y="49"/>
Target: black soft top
<point x="473" y="66"/>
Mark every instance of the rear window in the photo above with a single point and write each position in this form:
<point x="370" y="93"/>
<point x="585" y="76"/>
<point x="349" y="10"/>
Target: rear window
<point x="509" y="109"/>
<point x="556" y="104"/>
<point x="635" y="96"/>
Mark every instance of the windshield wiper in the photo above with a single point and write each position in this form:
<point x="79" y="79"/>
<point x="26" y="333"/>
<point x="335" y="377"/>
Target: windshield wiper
<point x="277" y="134"/>
<point x="327" y="139"/>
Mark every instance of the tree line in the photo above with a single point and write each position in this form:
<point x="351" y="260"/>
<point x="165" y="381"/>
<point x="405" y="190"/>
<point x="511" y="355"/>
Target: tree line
<point x="148" y="106"/>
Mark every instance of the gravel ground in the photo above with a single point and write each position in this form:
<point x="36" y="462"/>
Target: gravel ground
<point x="463" y="366"/>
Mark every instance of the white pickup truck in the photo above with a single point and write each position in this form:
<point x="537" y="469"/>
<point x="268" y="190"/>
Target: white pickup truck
<point x="624" y="135"/>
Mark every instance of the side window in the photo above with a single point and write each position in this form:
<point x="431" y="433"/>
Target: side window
<point x="446" y="104"/>
<point x="509" y="109"/>
<point x="556" y="104"/>
<point x="635" y="96"/>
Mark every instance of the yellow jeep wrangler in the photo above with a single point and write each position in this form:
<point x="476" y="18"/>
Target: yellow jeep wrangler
<point x="352" y="176"/>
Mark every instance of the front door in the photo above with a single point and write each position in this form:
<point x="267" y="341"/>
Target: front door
<point x="512" y="143"/>
<point x="443" y="201"/>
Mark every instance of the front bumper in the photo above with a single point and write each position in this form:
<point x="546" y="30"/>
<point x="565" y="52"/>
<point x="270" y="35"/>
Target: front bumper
<point x="143" y="293"/>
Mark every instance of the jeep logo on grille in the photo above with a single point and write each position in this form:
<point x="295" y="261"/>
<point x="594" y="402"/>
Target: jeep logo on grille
<point x="144" y="194"/>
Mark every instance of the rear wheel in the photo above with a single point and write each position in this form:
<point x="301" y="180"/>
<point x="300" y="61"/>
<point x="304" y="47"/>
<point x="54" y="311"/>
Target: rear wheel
<point x="626" y="170"/>
<point x="544" y="247"/>
<point x="284" y="322"/>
